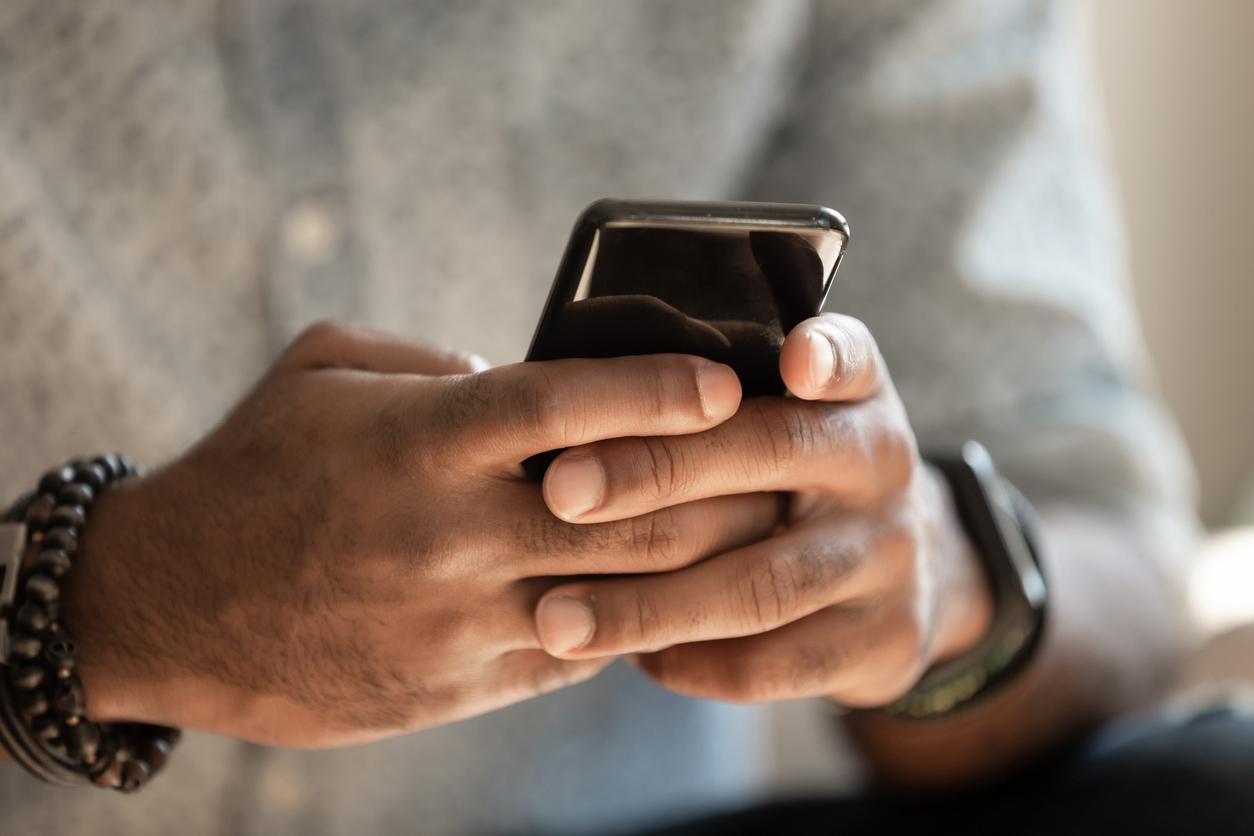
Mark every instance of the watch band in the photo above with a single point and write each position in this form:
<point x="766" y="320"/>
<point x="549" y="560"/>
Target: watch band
<point x="1001" y="526"/>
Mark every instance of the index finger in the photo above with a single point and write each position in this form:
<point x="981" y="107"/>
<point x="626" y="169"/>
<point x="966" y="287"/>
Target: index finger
<point x="511" y="412"/>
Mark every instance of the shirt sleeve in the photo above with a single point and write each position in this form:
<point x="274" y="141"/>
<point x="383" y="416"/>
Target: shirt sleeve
<point x="960" y="141"/>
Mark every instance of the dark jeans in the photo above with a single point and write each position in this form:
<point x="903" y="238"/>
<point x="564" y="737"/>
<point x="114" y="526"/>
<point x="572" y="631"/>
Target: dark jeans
<point x="1193" y="776"/>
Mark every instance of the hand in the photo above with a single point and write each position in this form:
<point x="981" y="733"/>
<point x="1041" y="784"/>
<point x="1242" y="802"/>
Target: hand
<point x="867" y="584"/>
<point x="353" y="552"/>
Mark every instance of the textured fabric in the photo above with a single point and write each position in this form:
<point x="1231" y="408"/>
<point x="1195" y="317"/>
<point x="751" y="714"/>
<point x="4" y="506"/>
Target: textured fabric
<point x="185" y="185"/>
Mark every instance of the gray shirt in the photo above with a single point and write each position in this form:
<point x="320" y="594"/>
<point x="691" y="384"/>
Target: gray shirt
<point x="184" y="185"/>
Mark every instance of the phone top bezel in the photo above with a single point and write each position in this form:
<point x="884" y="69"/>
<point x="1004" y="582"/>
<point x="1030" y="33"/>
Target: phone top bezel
<point x="683" y="214"/>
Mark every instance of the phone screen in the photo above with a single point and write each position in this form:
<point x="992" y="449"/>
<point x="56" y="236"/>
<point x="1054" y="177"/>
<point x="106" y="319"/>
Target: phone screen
<point x="725" y="281"/>
<point x="728" y="293"/>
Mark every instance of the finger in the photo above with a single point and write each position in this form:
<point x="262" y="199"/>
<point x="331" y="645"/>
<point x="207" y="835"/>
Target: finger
<point x="752" y="590"/>
<point x="522" y="674"/>
<point x="509" y="413"/>
<point x="860" y="654"/>
<point x="335" y="345"/>
<point x="856" y="452"/>
<point x="831" y="357"/>
<point x="661" y="541"/>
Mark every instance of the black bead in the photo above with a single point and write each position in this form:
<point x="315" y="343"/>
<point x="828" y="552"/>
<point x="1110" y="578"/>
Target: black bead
<point x="56" y="746"/>
<point x="155" y="752"/>
<point x="68" y="516"/>
<point x="33" y="617"/>
<point x="82" y="741"/>
<point x="64" y="539"/>
<point x="54" y="480"/>
<point x="39" y="513"/>
<point x="26" y="677"/>
<point x="42" y="589"/>
<point x="54" y="563"/>
<point x="111" y="465"/>
<point x="135" y="774"/>
<point x="91" y="474"/>
<point x="76" y="493"/>
<point x="61" y="652"/>
<point x="45" y="727"/>
<point x="32" y="702"/>
<point x="24" y="646"/>
<point x="67" y="697"/>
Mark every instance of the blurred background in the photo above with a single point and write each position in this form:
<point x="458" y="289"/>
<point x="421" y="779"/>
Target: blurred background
<point x="1175" y="78"/>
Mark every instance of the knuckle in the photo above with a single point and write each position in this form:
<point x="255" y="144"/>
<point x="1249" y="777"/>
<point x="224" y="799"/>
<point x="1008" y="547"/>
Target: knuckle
<point x="460" y="405"/>
<point x="684" y="387"/>
<point x="667" y="471"/>
<point x="898" y="548"/>
<point x="785" y="435"/>
<point x="395" y="434"/>
<point x="857" y="440"/>
<point x="319" y="333"/>
<point x="536" y="409"/>
<point x="768" y="592"/>
<point x="898" y="661"/>
<point x="314" y="344"/>
<point x="645" y="620"/>
<point x="655" y="400"/>
<point x="895" y="456"/>
<point x="813" y="668"/>
<point x="656" y="538"/>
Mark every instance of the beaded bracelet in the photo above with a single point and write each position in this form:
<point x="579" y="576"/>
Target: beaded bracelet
<point x="41" y="697"/>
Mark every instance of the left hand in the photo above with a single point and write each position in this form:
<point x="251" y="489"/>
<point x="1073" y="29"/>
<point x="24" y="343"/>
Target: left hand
<point x="868" y="580"/>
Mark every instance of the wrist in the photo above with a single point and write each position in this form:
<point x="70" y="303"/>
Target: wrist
<point x="124" y="602"/>
<point x="965" y="606"/>
<point x="103" y="605"/>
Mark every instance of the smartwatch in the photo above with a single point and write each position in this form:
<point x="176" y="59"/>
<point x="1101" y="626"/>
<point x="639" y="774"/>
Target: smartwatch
<point x="1001" y="526"/>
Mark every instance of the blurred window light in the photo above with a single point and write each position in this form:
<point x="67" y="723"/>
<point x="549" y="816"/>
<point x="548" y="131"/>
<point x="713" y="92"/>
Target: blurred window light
<point x="1221" y="583"/>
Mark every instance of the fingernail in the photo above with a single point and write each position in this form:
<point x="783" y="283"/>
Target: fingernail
<point x="719" y="390"/>
<point x="574" y="485"/>
<point x="564" y="624"/>
<point x="822" y="360"/>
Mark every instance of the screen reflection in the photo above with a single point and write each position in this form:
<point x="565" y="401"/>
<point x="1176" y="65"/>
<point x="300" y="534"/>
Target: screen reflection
<point x="730" y="295"/>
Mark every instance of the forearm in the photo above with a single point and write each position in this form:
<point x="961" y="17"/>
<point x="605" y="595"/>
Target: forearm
<point x="1112" y="641"/>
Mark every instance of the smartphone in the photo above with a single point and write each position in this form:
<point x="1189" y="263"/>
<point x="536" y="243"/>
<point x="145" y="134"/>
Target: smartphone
<point x="725" y="281"/>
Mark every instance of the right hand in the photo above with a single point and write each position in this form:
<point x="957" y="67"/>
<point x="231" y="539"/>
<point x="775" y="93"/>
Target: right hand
<point x="353" y="552"/>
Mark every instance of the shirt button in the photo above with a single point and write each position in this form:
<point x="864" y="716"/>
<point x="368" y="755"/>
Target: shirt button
<point x="311" y="233"/>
